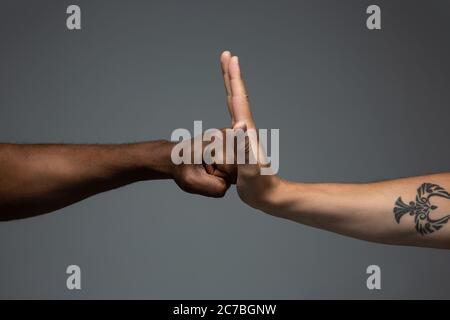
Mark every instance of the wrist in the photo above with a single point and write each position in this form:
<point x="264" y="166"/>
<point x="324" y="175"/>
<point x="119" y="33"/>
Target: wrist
<point x="270" y="198"/>
<point x="155" y="159"/>
<point x="261" y="192"/>
<point x="282" y="198"/>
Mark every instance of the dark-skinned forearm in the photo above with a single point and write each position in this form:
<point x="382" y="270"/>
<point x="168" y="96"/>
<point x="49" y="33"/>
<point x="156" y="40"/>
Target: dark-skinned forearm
<point x="36" y="179"/>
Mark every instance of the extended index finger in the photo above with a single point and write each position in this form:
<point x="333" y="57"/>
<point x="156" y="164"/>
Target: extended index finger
<point x="239" y="98"/>
<point x="224" y="62"/>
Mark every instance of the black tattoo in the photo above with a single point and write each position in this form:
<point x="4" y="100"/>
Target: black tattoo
<point x="422" y="208"/>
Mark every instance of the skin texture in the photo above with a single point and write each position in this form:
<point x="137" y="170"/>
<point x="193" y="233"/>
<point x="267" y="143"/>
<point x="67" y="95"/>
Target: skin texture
<point x="37" y="179"/>
<point x="363" y="211"/>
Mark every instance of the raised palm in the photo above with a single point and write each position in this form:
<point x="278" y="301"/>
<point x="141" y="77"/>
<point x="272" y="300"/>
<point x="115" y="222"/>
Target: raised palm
<point x="253" y="188"/>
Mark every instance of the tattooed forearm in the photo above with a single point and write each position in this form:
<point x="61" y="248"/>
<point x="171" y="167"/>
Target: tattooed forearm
<point x="422" y="208"/>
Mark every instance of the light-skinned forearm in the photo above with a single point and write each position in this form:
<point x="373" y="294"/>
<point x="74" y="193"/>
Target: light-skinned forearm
<point x="365" y="211"/>
<point x="36" y="179"/>
<point x="412" y="211"/>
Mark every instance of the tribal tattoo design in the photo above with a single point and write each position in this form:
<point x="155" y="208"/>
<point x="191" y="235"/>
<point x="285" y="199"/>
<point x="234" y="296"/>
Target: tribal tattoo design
<point x="422" y="208"/>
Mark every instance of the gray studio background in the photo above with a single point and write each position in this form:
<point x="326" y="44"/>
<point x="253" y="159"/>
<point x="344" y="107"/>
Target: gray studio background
<point x="352" y="105"/>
